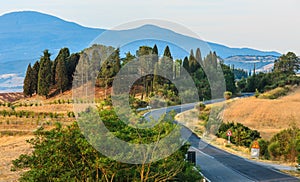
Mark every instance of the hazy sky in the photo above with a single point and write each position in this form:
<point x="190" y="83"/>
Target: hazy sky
<point x="260" y="24"/>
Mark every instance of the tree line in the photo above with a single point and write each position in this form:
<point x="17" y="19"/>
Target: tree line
<point x="46" y="75"/>
<point x="58" y="74"/>
<point x="194" y="64"/>
<point x="283" y="73"/>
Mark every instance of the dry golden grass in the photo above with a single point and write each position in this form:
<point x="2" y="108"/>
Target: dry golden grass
<point x="22" y="129"/>
<point x="11" y="147"/>
<point x="54" y="108"/>
<point x="267" y="116"/>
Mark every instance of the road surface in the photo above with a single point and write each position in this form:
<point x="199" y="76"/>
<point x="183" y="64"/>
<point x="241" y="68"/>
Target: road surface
<point x="218" y="165"/>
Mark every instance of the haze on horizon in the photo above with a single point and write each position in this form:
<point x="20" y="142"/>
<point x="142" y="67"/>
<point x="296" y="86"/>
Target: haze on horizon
<point x="266" y="25"/>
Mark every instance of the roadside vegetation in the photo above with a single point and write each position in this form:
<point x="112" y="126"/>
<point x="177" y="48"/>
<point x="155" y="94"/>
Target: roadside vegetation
<point x="65" y="155"/>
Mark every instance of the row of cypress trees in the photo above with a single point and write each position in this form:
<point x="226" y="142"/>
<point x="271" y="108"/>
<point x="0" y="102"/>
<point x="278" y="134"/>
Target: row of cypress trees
<point x="45" y="74"/>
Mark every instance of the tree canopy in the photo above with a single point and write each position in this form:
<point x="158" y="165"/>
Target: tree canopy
<point x="63" y="154"/>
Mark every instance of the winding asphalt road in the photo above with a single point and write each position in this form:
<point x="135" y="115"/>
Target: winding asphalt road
<point x="218" y="165"/>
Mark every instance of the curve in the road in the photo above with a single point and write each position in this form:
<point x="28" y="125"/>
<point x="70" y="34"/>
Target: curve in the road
<point x="219" y="165"/>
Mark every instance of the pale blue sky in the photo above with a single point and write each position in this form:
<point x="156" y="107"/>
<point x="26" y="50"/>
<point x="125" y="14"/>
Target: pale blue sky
<point x="261" y="24"/>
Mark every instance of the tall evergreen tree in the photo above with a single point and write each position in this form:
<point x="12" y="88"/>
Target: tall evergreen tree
<point x="71" y="66"/>
<point x="61" y="75"/>
<point x="63" y="54"/>
<point x="27" y="88"/>
<point x="34" y="78"/>
<point x="45" y="74"/>
<point x="186" y="64"/>
<point x="116" y="61"/>
<point x="193" y="64"/>
<point x="155" y="50"/>
<point x="167" y="53"/>
<point x="199" y="57"/>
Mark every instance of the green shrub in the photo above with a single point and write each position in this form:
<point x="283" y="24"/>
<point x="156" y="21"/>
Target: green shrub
<point x="227" y="95"/>
<point x="263" y="144"/>
<point x="200" y="106"/>
<point x="275" y="93"/>
<point x="27" y="114"/>
<point x="256" y="93"/>
<point x="241" y="135"/>
<point x="274" y="150"/>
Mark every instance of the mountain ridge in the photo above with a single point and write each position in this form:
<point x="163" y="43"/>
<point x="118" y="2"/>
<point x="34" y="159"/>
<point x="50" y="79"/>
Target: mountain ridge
<point x="24" y="35"/>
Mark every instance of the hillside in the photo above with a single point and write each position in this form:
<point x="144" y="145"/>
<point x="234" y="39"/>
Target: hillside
<point x="11" y="97"/>
<point x="246" y="62"/>
<point x="267" y="116"/>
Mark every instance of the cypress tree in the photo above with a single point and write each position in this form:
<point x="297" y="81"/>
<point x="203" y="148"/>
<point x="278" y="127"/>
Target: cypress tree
<point x="199" y="57"/>
<point x="64" y="54"/>
<point x="27" y="87"/>
<point x="71" y="66"/>
<point x="116" y="61"/>
<point x="155" y="50"/>
<point x="61" y="75"/>
<point x="186" y="64"/>
<point x="167" y="53"/>
<point x="154" y="78"/>
<point x="35" y="74"/>
<point x="45" y="75"/>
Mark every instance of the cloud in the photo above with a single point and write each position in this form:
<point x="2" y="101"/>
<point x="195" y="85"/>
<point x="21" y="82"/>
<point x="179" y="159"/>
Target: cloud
<point x="10" y="81"/>
<point x="6" y="76"/>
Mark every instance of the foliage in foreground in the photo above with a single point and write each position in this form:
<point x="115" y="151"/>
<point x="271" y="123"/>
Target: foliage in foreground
<point x="63" y="154"/>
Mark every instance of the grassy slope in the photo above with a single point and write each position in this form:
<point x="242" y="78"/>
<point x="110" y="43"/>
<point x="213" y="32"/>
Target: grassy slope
<point x="267" y="116"/>
<point x="21" y="128"/>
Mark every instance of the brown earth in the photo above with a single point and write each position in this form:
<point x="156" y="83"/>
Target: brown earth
<point x="10" y="97"/>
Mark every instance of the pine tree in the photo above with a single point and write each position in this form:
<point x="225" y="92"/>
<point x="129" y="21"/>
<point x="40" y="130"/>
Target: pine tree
<point x="45" y="75"/>
<point x="61" y="75"/>
<point x="34" y="78"/>
<point x="27" y="88"/>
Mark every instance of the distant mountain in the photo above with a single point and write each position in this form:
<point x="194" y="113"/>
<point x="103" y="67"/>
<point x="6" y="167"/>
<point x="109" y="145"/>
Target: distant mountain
<point x="24" y="36"/>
